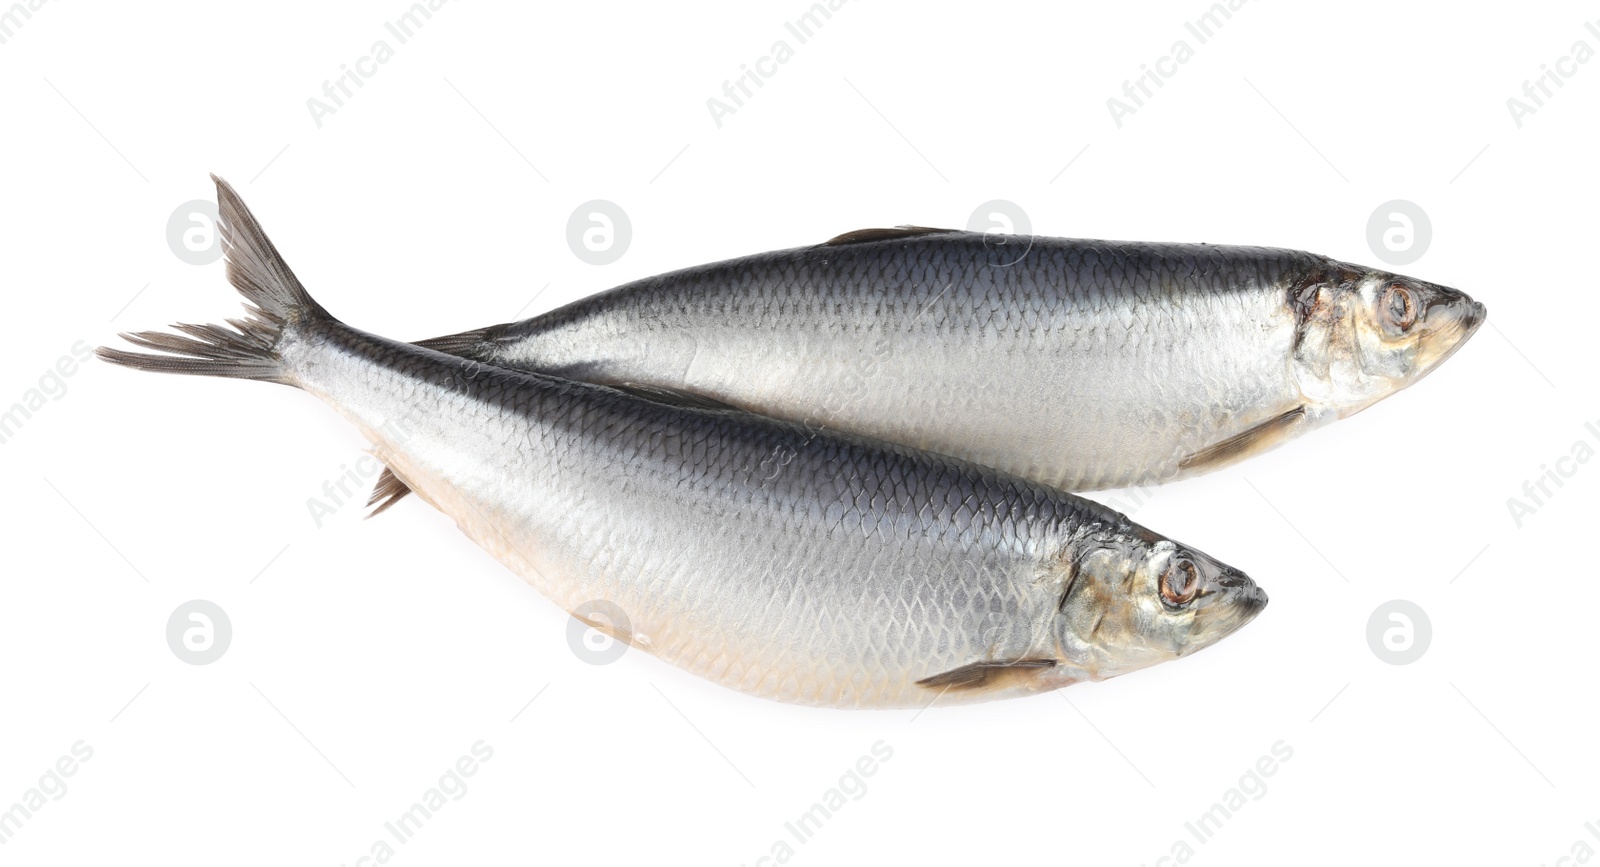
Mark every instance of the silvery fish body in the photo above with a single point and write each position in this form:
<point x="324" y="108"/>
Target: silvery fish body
<point x="1079" y="364"/>
<point x="785" y="562"/>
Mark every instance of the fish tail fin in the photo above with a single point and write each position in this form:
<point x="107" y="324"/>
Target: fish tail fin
<point x="276" y="303"/>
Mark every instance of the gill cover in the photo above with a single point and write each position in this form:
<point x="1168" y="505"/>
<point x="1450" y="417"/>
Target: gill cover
<point x="1363" y="334"/>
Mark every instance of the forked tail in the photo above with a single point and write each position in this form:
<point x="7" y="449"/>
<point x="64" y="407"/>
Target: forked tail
<point x="276" y="304"/>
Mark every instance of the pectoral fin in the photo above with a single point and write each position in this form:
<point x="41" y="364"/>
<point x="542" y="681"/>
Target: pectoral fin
<point x="985" y="675"/>
<point x="1240" y="446"/>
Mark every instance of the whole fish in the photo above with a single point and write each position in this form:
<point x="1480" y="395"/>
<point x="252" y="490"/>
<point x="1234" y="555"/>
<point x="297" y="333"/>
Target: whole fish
<point x="801" y="565"/>
<point x="1079" y="364"/>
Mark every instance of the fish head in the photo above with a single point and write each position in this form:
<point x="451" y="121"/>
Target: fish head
<point x="1363" y="334"/>
<point x="1142" y="599"/>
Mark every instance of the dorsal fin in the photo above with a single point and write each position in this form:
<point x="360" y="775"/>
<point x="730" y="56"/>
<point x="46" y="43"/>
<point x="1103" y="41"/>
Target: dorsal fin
<point x="860" y="236"/>
<point x="671" y="396"/>
<point x="467" y="344"/>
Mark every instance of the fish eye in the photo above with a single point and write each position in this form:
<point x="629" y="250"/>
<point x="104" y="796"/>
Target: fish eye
<point x="1181" y="582"/>
<point x="1399" y="307"/>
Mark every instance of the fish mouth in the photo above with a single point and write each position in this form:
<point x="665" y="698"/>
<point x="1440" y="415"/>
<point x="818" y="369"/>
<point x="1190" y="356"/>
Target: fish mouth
<point x="1461" y="319"/>
<point x="1235" y="601"/>
<point x="1452" y="320"/>
<point x="1252" y="602"/>
<point x="1471" y="317"/>
<point x="1246" y="595"/>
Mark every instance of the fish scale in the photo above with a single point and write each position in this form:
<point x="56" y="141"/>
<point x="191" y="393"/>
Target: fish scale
<point x="970" y="329"/>
<point x="789" y="562"/>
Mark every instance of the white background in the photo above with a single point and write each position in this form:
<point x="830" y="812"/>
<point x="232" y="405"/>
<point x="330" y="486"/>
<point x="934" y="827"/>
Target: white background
<point x="369" y="655"/>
